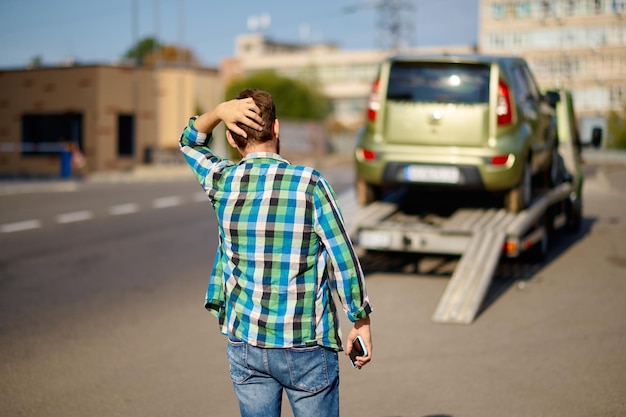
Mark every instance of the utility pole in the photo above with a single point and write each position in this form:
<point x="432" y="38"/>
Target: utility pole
<point x="395" y="23"/>
<point x="182" y="110"/>
<point x="156" y="79"/>
<point x="135" y="80"/>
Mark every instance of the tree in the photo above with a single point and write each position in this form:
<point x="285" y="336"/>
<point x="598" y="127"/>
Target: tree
<point x="142" y="49"/>
<point x="149" y="50"/>
<point x="35" y="62"/>
<point x="171" y="54"/>
<point x="295" y="100"/>
<point x="616" y="126"/>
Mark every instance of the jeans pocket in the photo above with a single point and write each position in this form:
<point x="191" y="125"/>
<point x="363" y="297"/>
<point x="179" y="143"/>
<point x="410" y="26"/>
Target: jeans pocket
<point x="312" y="368"/>
<point x="237" y="353"/>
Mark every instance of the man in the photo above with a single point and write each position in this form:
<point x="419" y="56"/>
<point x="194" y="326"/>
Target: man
<point x="282" y="250"/>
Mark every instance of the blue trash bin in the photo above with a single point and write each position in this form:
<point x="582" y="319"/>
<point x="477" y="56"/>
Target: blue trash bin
<point x="66" y="163"/>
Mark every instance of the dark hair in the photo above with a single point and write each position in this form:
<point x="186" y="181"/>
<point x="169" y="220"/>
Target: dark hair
<point x="264" y="102"/>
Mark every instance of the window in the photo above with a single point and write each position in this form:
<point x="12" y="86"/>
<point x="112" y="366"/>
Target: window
<point x="525" y="84"/>
<point x="618" y="6"/>
<point x="617" y="96"/>
<point x="519" y="80"/>
<point x="597" y="6"/>
<point x="498" y="11"/>
<point x="439" y="83"/>
<point x="46" y="134"/>
<point x="125" y="135"/>
<point x="522" y="9"/>
<point x="533" y="89"/>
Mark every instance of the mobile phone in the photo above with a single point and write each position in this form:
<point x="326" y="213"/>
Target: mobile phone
<point x="358" y="349"/>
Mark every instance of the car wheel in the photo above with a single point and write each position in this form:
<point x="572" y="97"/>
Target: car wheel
<point x="366" y="193"/>
<point x="518" y="198"/>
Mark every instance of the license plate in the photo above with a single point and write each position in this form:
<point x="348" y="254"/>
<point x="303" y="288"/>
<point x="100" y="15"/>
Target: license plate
<point x="432" y="173"/>
<point x="374" y="239"/>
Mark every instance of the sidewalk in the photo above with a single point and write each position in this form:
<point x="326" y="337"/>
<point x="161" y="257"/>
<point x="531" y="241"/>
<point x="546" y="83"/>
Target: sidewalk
<point x="146" y="173"/>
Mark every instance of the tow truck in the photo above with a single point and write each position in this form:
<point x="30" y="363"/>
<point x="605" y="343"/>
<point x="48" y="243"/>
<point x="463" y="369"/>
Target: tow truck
<point x="481" y="236"/>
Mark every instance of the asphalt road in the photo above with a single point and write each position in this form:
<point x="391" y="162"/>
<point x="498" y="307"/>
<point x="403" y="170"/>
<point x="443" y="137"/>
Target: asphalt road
<point x="101" y="314"/>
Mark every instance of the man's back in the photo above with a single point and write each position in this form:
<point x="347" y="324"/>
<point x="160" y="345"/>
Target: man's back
<point x="268" y="211"/>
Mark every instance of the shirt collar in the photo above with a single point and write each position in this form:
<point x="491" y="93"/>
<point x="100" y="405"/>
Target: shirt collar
<point x="264" y="155"/>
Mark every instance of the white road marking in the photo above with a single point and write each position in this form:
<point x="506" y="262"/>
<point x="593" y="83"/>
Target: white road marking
<point x="164" y="202"/>
<point x="124" y="209"/>
<point x="116" y="210"/>
<point x="76" y="216"/>
<point x="20" y="226"/>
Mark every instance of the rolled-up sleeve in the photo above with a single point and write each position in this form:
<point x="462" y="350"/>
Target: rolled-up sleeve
<point x="347" y="275"/>
<point x="195" y="148"/>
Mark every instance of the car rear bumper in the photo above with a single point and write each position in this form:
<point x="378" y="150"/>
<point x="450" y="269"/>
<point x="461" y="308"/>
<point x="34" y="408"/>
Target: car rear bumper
<point x="471" y="170"/>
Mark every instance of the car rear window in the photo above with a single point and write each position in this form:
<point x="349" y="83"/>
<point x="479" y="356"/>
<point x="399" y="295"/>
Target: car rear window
<point x="439" y="82"/>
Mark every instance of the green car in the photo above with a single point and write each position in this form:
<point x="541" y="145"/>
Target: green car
<point x="465" y="122"/>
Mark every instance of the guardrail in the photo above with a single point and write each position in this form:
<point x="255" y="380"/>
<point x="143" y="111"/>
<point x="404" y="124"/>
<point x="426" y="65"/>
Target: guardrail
<point x="47" y="147"/>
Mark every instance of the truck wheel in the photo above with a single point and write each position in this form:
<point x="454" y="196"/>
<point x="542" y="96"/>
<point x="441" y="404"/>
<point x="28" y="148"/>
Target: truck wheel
<point x="518" y="198"/>
<point x="366" y="193"/>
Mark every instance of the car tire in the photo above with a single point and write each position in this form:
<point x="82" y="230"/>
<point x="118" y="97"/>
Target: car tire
<point x="519" y="197"/>
<point x="367" y="193"/>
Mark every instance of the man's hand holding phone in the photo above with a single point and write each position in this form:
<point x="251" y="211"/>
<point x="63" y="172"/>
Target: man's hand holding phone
<point x="359" y="346"/>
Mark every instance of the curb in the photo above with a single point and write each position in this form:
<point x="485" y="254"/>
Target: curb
<point x="29" y="187"/>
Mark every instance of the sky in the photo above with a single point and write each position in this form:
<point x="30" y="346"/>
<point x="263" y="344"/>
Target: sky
<point x="88" y="31"/>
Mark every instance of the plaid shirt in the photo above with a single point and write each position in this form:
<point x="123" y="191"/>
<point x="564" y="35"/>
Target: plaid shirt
<point x="282" y="249"/>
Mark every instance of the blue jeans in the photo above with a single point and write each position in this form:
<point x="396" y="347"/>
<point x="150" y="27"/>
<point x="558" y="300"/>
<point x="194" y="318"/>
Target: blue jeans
<point x="309" y="376"/>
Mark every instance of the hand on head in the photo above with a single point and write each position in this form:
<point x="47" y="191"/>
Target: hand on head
<point x="243" y="111"/>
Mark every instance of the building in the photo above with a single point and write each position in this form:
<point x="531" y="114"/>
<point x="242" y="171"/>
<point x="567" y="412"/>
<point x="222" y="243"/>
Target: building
<point x="575" y="44"/>
<point x="118" y="116"/>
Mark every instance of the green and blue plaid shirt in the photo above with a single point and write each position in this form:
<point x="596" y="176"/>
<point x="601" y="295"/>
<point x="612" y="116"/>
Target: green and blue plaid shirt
<point x="282" y="250"/>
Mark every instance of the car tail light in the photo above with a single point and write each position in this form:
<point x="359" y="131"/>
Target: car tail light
<point x="504" y="110"/>
<point x="366" y="154"/>
<point x="499" y="160"/>
<point x="372" y="102"/>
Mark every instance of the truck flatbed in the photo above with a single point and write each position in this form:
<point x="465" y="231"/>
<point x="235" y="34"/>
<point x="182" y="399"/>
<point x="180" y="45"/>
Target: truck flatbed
<point x="480" y="236"/>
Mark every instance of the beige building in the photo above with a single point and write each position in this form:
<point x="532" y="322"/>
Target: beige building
<point x="574" y="44"/>
<point x="118" y="116"/>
